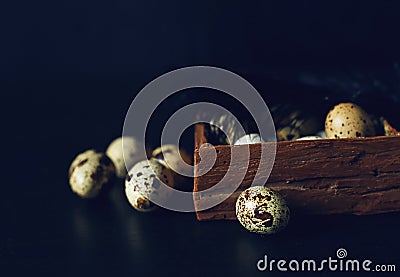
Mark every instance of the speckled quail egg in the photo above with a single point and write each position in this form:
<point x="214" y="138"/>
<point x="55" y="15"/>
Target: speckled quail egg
<point x="262" y="210"/>
<point x="294" y="121"/>
<point x="309" y="138"/>
<point x="321" y="134"/>
<point x="139" y="202"/>
<point x="225" y="128"/>
<point x="249" y="139"/>
<point x="287" y="133"/>
<point x="89" y="172"/>
<point x="170" y="156"/>
<point x="144" y="180"/>
<point x="129" y="147"/>
<point x="389" y="130"/>
<point x="347" y="120"/>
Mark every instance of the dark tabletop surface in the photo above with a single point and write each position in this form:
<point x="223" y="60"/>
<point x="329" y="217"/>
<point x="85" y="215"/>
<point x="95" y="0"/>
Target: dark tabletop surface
<point x="48" y="229"/>
<point x="69" y="72"/>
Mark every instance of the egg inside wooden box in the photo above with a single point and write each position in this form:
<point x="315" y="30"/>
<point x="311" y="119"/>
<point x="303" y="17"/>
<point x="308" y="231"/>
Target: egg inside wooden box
<point x="357" y="174"/>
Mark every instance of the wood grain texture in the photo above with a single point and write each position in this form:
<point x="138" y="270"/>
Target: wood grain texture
<point x="344" y="176"/>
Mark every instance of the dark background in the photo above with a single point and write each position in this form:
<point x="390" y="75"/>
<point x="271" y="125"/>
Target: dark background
<point x="68" y="72"/>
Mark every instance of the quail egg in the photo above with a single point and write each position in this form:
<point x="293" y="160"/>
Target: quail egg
<point x="389" y="129"/>
<point x="309" y="138"/>
<point x="287" y="133"/>
<point x="294" y="121"/>
<point x="89" y="172"/>
<point x="347" y="120"/>
<point x="262" y="210"/>
<point x="321" y="134"/>
<point x="144" y="180"/>
<point x="249" y="139"/>
<point x="128" y="147"/>
<point x="226" y="128"/>
<point x="139" y="202"/>
<point x="170" y="156"/>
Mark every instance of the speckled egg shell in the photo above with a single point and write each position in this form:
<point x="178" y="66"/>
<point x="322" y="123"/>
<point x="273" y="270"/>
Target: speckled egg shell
<point x="249" y="139"/>
<point x="287" y="133"/>
<point x="347" y="120"/>
<point x="225" y="125"/>
<point x="144" y="178"/>
<point x="89" y="172"/>
<point x="128" y="147"/>
<point x="309" y="138"/>
<point x="262" y="210"/>
<point x="321" y="134"/>
<point x="139" y="202"/>
<point x="169" y="155"/>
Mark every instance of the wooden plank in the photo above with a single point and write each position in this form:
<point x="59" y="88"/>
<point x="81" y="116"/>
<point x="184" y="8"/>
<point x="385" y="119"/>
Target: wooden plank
<point x="347" y="176"/>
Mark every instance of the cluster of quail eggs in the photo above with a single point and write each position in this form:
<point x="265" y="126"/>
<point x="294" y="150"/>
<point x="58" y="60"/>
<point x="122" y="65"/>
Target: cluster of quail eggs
<point x="345" y="120"/>
<point x="258" y="208"/>
<point x="90" y="171"/>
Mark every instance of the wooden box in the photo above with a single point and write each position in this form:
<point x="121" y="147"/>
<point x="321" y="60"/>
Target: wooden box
<point x="329" y="176"/>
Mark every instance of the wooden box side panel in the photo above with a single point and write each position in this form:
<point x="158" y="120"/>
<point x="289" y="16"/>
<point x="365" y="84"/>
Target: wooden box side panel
<point x="199" y="139"/>
<point x="354" y="176"/>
